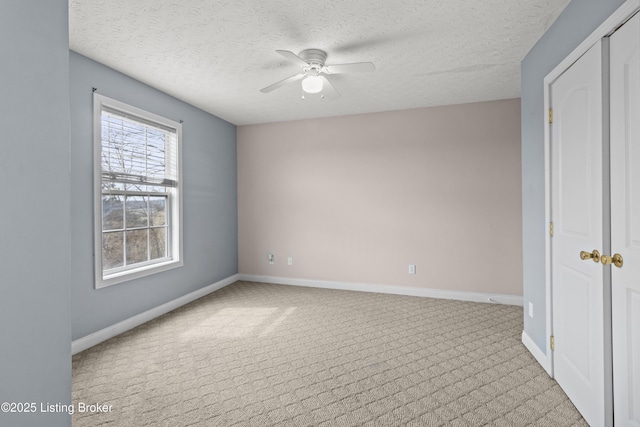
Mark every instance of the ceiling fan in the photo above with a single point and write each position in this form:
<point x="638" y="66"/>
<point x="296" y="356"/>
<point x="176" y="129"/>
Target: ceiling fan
<point x="314" y="72"/>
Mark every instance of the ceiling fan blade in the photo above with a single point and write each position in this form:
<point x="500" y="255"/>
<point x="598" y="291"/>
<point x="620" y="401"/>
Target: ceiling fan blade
<point x="357" y="67"/>
<point x="281" y="83"/>
<point x="380" y="40"/>
<point x="293" y="58"/>
<point x="329" y="91"/>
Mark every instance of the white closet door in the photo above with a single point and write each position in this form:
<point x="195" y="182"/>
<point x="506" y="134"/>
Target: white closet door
<point x="625" y="220"/>
<point x="577" y="284"/>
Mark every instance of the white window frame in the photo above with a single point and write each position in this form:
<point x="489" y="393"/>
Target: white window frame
<point x="174" y="201"/>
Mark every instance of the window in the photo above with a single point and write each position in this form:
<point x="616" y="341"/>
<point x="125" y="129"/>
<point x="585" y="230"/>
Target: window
<point x="137" y="192"/>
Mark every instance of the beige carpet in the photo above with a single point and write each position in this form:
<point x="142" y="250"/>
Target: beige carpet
<point x="255" y="354"/>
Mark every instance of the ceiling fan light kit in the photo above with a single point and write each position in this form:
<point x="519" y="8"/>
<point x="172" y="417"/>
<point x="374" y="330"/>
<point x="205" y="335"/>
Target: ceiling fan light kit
<point x="314" y="72"/>
<point x="312" y="83"/>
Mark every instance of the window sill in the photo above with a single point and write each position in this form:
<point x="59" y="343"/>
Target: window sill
<point x="136" y="273"/>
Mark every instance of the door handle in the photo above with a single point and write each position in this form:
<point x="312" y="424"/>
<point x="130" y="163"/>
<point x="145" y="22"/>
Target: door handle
<point x="616" y="260"/>
<point x="595" y="255"/>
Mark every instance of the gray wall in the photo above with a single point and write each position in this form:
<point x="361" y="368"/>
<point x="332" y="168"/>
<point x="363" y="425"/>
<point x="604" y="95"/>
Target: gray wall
<point x="35" y="333"/>
<point x="577" y="21"/>
<point x="210" y="201"/>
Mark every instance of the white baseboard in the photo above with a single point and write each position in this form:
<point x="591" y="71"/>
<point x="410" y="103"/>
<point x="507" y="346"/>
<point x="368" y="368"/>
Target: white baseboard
<point x="104" y="334"/>
<point x="389" y="289"/>
<point x="543" y="359"/>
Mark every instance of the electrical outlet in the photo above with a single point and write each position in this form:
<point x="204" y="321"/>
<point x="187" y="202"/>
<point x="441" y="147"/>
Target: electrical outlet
<point x="412" y="269"/>
<point x="290" y="260"/>
<point x="271" y="258"/>
<point x="531" y="310"/>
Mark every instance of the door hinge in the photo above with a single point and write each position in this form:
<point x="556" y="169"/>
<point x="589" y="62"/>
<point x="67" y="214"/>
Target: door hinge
<point x="552" y="342"/>
<point x="551" y="229"/>
<point x="550" y="115"/>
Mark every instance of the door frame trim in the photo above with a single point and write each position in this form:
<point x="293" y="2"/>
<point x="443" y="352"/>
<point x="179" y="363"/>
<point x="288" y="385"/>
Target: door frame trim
<point x="619" y="17"/>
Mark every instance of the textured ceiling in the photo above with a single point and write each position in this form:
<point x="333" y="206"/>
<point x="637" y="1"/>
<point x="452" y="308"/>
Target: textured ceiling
<point x="218" y="54"/>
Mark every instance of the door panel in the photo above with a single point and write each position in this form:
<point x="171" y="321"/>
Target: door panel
<point x="625" y="220"/>
<point x="576" y="186"/>
<point x="632" y="372"/>
<point x="575" y="289"/>
<point x="574" y="173"/>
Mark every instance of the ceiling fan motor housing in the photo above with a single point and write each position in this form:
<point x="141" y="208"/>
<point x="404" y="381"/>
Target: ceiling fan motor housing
<point x="314" y="57"/>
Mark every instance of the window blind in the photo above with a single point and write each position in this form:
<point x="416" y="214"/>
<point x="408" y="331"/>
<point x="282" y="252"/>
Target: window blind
<point x="137" y="151"/>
